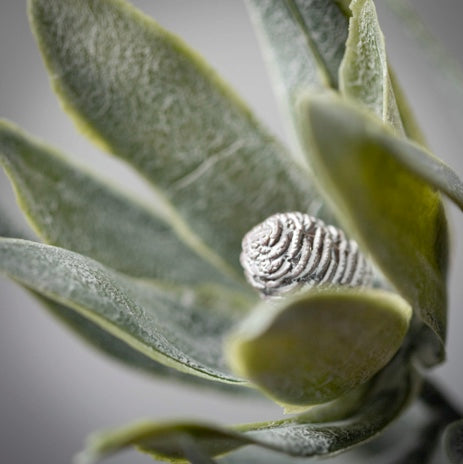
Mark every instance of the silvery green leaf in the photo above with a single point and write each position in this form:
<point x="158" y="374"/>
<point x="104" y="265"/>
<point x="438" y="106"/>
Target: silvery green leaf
<point x="102" y="340"/>
<point x="303" y="43"/>
<point x="383" y="190"/>
<point x="295" y="436"/>
<point x="71" y="208"/>
<point x="180" y="327"/>
<point x="315" y="347"/>
<point x="364" y="73"/>
<point x="142" y="94"/>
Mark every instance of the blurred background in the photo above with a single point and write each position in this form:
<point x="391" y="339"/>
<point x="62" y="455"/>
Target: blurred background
<point x="55" y="390"/>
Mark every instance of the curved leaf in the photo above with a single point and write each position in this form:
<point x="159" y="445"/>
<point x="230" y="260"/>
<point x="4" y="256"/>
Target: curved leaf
<point x="295" y="436"/>
<point x="181" y="327"/>
<point x="150" y="100"/>
<point x="453" y="441"/>
<point x="364" y="74"/>
<point x="303" y="43"/>
<point x="98" y="337"/>
<point x="411" y="127"/>
<point x="70" y="208"/>
<point x="313" y="348"/>
<point x="112" y="346"/>
<point x="393" y="213"/>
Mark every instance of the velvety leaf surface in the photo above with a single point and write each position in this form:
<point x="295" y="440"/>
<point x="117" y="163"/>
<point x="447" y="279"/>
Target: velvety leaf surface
<point x="180" y="327"/>
<point x="114" y="347"/>
<point x="313" y="348"/>
<point x="295" y="436"/>
<point x="453" y="442"/>
<point x="388" y="208"/>
<point x="98" y="337"/>
<point x="303" y="43"/>
<point x="70" y="208"/>
<point x="364" y="74"/>
<point x="150" y="100"/>
<point x="303" y="40"/>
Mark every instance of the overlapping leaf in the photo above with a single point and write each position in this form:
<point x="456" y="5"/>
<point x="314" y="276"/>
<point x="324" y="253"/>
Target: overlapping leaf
<point x="97" y="336"/>
<point x="71" y="208"/>
<point x="303" y="43"/>
<point x="180" y="327"/>
<point x="381" y="187"/>
<point x="296" y="436"/>
<point x="316" y="347"/>
<point x="153" y="102"/>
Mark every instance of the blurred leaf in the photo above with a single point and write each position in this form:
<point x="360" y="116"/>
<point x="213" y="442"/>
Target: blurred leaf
<point x="453" y="441"/>
<point x="147" y="98"/>
<point x="313" y="348"/>
<point x="303" y="42"/>
<point x="180" y="327"/>
<point x="70" y="208"/>
<point x="294" y="436"/>
<point x="411" y="127"/>
<point x="375" y="183"/>
<point x="364" y="74"/>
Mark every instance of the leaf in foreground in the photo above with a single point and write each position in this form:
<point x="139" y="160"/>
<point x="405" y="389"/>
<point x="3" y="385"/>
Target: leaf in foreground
<point x="379" y="187"/>
<point x="316" y="347"/>
<point x="295" y="436"/>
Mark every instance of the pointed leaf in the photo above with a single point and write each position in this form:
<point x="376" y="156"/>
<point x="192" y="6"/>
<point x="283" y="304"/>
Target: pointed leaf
<point x="314" y="348"/>
<point x="364" y="74"/>
<point x="295" y="436"/>
<point x="387" y="207"/>
<point x="180" y="327"/>
<point x="70" y="208"/>
<point x="411" y="127"/>
<point x="150" y="100"/>
<point x="303" y="43"/>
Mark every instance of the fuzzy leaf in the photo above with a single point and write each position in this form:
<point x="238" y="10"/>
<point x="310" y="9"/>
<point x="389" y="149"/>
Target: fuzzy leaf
<point x="181" y="327"/>
<point x="295" y="436"/>
<point x="411" y="126"/>
<point x="453" y="441"/>
<point x="69" y="207"/>
<point x="314" y="348"/>
<point x="99" y="338"/>
<point x="303" y="43"/>
<point x="375" y="182"/>
<point x="150" y="100"/>
<point x="364" y="74"/>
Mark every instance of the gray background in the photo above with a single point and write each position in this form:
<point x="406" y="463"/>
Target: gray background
<point x="54" y="390"/>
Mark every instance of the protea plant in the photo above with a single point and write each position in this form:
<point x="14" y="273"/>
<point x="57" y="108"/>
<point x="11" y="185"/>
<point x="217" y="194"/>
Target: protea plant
<point x="341" y="306"/>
